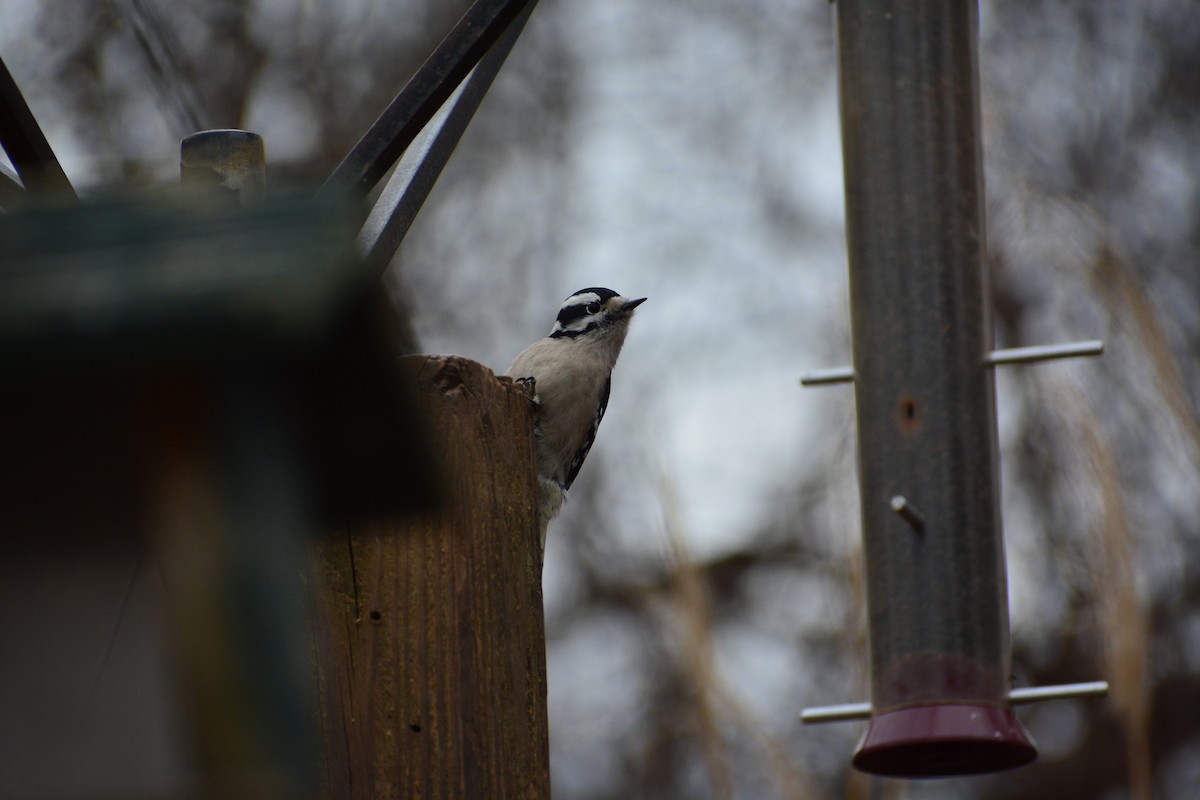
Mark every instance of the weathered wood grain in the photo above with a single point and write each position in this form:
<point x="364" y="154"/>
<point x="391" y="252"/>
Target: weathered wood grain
<point x="428" y="632"/>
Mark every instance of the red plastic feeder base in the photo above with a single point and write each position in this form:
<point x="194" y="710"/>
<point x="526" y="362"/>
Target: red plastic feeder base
<point x="944" y="740"/>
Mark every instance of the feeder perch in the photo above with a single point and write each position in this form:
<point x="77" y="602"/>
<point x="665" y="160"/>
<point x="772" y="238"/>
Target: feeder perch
<point x="940" y="662"/>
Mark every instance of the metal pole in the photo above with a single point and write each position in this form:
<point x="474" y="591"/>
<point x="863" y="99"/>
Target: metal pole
<point x="232" y="507"/>
<point x="936" y="591"/>
<point x="26" y="145"/>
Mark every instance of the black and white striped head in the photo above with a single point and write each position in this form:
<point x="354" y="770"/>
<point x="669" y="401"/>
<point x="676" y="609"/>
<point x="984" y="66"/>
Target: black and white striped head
<point x="593" y="311"/>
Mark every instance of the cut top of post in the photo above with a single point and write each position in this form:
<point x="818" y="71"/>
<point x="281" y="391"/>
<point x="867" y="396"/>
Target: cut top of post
<point x="230" y="162"/>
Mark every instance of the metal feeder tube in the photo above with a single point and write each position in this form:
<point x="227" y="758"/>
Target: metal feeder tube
<point x="936" y="586"/>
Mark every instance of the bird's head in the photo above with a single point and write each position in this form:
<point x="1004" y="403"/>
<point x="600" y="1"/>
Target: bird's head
<point x="594" y="312"/>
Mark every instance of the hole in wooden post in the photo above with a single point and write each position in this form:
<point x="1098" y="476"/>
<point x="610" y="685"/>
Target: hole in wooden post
<point x="908" y="414"/>
<point x="375" y="616"/>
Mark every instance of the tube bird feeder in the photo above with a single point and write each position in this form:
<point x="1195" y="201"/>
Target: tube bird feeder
<point x="936" y="589"/>
<point x="940" y="662"/>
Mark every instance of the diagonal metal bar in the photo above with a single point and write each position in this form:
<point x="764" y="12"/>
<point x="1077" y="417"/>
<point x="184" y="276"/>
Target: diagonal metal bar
<point x="421" y="97"/>
<point x="427" y="155"/>
<point x="26" y="145"/>
<point x="12" y="193"/>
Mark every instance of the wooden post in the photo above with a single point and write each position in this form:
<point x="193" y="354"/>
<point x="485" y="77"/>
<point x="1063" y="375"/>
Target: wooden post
<point x="428" y="632"/>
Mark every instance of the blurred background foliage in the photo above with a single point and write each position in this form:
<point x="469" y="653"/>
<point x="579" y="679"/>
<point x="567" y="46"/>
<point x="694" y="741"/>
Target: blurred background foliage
<point x="703" y="584"/>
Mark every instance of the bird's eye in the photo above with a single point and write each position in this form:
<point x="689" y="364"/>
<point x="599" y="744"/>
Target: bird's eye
<point x="592" y="308"/>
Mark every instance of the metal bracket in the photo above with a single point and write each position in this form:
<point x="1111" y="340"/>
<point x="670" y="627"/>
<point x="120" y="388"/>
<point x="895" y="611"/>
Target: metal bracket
<point x="428" y="90"/>
<point x="425" y="156"/>
<point x="1017" y="697"/>
<point x="1014" y="355"/>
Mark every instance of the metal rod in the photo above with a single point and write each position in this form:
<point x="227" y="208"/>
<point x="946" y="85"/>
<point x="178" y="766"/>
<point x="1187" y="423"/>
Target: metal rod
<point x="427" y="91"/>
<point x="906" y="510"/>
<point x="426" y="156"/>
<point x="825" y="377"/>
<point x="26" y="145"/>
<point x="1017" y="697"/>
<point x="848" y="712"/>
<point x="1044" y="352"/>
<point x="1014" y="355"/>
<point x="387" y="221"/>
<point x="1066" y="691"/>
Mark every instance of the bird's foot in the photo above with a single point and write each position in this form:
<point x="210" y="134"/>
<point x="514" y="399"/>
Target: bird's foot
<point x="530" y="385"/>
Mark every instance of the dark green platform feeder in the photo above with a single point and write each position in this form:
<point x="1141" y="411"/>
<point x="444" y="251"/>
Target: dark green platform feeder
<point x="110" y="312"/>
<point x="215" y="384"/>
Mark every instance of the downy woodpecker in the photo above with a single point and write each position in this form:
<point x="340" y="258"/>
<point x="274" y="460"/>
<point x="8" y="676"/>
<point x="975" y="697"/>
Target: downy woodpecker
<point x="571" y="371"/>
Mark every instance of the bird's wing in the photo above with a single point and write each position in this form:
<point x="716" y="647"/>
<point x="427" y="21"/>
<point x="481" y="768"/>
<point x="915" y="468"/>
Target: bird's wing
<point x="590" y="436"/>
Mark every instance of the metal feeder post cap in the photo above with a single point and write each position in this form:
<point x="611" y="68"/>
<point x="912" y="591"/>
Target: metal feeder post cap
<point x="942" y="740"/>
<point x="230" y="161"/>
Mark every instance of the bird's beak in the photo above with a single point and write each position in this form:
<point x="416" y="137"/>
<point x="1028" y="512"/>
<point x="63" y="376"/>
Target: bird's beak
<point x="630" y="305"/>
